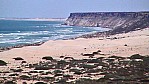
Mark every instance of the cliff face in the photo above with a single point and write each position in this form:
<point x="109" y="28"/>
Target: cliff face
<point x="114" y="20"/>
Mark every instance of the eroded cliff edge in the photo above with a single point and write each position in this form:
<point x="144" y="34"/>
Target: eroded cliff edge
<point x="119" y="22"/>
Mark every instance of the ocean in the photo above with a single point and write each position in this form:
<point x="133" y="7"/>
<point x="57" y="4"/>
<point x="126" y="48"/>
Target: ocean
<point x="19" y="32"/>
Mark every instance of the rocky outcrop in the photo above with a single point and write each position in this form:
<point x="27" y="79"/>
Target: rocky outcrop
<point x="119" y="21"/>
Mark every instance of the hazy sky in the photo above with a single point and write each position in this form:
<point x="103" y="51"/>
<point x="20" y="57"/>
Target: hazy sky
<point x="62" y="8"/>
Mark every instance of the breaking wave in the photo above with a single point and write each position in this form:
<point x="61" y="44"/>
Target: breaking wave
<point x="27" y="32"/>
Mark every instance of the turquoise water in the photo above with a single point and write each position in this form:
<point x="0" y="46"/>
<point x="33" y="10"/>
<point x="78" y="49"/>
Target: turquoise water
<point x="15" y="32"/>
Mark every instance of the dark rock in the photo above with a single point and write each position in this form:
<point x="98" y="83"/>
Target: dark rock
<point x="87" y="54"/>
<point x="62" y="56"/>
<point x="125" y="45"/>
<point x="99" y="51"/>
<point x="47" y="58"/>
<point x="17" y="70"/>
<point x="14" y="75"/>
<point x="2" y="63"/>
<point x="115" y="38"/>
<point x="94" y="53"/>
<point x="71" y="58"/>
<point x="24" y="83"/>
<point x="18" y="58"/>
<point x="33" y="72"/>
<point x="117" y="57"/>
<point x="58" y="74"/>
<point x="23" y="62"/>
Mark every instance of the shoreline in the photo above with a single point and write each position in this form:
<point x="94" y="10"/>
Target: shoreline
<point x="78" y="59"/>
<point x="104" y="34"/>
<point x="101" y="36"/>
<point x="35" y="19"/>
<point x="2" y="49"/>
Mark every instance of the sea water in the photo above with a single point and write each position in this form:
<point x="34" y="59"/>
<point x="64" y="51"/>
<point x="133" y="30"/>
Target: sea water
<point x="18" y="32"/>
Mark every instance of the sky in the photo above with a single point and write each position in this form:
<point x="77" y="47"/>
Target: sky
<point x="62" y="8"/>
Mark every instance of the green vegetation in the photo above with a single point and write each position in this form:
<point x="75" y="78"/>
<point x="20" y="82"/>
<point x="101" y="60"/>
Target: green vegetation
<point x="89" y="66"/>
<point x="113" y="70"/>
<point x="24" y="77"/>
<point x="42" y="68"/>
<point x="57" y="71"/>
<point x="136" y="56"/>
<point x="10" y="82"/>
<point x="2" y="63"/>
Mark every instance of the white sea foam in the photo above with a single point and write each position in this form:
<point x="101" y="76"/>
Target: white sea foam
<point x="9" y="41"/>
<point x="98" y="28"/>
<point x="64" y="31"/>
<point x="45" y="32"/>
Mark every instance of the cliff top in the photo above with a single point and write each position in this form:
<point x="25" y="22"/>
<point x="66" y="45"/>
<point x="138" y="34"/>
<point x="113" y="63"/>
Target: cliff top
<point x="121" y="14"/>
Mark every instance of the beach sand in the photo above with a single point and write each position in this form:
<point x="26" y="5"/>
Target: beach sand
<point x="124" y="45"/>
<point x="136" y="42"/>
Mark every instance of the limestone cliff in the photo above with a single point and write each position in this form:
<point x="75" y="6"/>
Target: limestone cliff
<point x="118" y="21"/>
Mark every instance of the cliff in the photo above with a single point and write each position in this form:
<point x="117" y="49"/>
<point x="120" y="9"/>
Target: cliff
<point x="118" y="21"/>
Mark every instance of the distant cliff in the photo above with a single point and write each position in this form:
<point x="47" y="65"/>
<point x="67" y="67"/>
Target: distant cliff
<point x="118" y="21"/>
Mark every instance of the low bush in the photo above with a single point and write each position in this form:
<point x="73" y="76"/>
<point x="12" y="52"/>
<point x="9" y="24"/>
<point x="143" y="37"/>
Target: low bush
<point x="2" y="63"/>
<point x="24" y="77"/>
<point x="9" y="82"/>
<point x="136" y="56"/>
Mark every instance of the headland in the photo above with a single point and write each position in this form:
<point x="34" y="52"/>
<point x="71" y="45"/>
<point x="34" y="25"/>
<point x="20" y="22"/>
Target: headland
<point x="116" y="56"/>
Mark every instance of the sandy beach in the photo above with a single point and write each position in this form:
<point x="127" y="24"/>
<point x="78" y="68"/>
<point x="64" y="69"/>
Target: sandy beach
<point x="135" y="42"/>
<point x="122" y="45"/>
